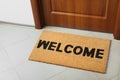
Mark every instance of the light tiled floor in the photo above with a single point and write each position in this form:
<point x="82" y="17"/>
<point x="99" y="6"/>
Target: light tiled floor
<point x="17" y="42"/>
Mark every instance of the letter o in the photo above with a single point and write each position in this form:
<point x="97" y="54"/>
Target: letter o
<point x="77" y="52"/>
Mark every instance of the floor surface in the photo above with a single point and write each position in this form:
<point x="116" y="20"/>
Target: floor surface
<point x="17" y="42"/>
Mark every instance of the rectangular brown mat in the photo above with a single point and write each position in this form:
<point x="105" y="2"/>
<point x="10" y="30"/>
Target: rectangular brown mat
<point x="70" y="50"/>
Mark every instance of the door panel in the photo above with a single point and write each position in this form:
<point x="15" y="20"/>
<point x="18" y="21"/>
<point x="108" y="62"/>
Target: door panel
<point x="98" y="15"/>
<point x="83" y="7"/>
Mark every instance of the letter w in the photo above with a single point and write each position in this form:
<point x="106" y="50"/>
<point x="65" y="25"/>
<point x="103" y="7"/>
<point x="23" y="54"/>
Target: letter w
<point x="44" y="43"/>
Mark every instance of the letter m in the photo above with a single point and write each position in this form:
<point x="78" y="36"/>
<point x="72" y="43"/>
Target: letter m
<point x="88" y="52"/>
<point x="43" y="43"/>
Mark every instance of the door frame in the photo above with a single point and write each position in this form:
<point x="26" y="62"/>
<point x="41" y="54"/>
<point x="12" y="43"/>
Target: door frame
<point x="39" y="17"/>
<point x="116" y="32"/>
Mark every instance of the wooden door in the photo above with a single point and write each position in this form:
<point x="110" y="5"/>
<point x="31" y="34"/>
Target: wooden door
<point x="97" y="15"/>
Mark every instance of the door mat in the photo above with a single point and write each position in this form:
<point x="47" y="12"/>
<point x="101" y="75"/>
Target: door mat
<point x="70" y="50"/>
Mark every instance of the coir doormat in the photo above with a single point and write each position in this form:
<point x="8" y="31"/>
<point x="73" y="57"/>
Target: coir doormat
<point x="70" y="50"/>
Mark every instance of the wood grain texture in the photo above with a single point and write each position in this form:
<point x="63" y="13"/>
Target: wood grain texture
<point x="85" y="7"/>
<point x="37" y="14"/>
<point x="95" y="15"/>
<point x="117" y="25"/>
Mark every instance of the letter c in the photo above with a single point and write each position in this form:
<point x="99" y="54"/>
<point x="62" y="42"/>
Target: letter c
<point x="66" y="48"/>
